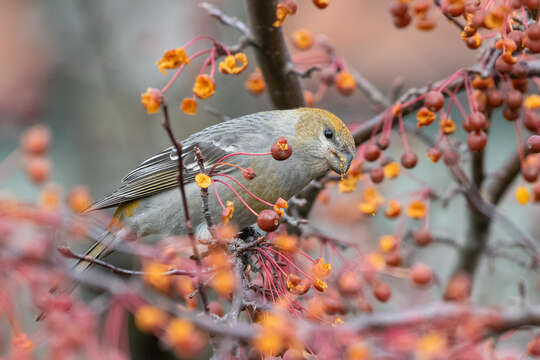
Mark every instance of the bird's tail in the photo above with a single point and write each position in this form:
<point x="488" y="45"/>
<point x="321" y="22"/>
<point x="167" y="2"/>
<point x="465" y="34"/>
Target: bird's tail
<point x="99" y="250"/>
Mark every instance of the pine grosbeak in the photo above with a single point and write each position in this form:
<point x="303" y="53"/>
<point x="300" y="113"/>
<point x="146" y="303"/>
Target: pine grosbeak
<point x="148" y="201"/>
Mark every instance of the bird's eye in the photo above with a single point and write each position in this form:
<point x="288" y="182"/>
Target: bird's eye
<point x="328" y="133"/>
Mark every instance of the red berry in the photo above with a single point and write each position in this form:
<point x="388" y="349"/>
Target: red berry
<point x="477" y="20"/>
<point x="533" y="142"/>
<point x="372" y="152"/>
<point x="393" y="259"/>
<point x="532" y="121"/>
<point x="533" y="32"/>
<point x="477" y="140"/>
<point x="450" y="157"/>
<point x="536" y="192"/>
<point x="434" y="100"/>
<point x="501" y="66"/>
<point x="377" y="175"/>
<point x="477" y="121"/>
<point x="398" y="8"/>
<point x="248" y="174"/>
<point x="281" y="150"/>
<point x="382" y="292"/>
<point x="421" y="274"/>
<point x="422" y="237"/>
<point x="511" y="114"/>
<point x="409" y="160"/>
<point x="531" y="4"/>
<point x="268" y="220"/>
<point x="520" y="70"/>
<point x="494" y="98"/>
<point x="383" y="142"/>
<point x="533" y="45"/>
<point x="402" y="21"/>
<point x="530" y="173"/>
<point x="455" y="10"/>
<point x="533" y="347"/>
<point x="517" y="37"/>
<point x="514" y="99"/>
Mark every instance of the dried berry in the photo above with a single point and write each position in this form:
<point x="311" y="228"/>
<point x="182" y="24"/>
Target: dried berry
<point x="409" y="160"/>
<point x="434" y="154"/>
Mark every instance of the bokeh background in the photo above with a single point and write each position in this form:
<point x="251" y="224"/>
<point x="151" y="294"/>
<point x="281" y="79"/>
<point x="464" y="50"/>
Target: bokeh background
<point x="80" y="66"/>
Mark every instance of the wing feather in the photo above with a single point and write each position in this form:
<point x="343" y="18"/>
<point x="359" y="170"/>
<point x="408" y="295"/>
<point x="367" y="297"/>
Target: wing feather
<point x="160" y="172"/>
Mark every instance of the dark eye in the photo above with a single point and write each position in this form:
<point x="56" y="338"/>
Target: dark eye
<point x="328" y="133"/>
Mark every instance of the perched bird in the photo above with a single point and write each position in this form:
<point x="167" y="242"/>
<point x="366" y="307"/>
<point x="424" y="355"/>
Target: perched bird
<point x="148" y="201"/>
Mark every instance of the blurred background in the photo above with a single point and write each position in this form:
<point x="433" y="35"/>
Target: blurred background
<point x="80" y="66"/>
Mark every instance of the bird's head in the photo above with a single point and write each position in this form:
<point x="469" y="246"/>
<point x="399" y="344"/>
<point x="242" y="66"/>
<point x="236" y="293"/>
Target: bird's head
<point x="326" y="139"/>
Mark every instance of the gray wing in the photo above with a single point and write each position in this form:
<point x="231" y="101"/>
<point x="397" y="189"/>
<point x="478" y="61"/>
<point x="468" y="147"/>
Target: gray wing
<point x="160" y="172"/>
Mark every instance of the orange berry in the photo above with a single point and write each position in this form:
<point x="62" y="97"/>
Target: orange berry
<point x="36" y="140"/>
<point x="79" y="199"/>
<point x="321" y="4"/>
<point x="38" y="169"/>
<point x="345" y="83"/>
<point x="421" y="274"/>
<point x="255" y="83"/>
<point x="382" y="292"/>
<point x="303" y="39"/>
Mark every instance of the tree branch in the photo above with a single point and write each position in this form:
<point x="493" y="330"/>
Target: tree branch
<point x="273" y="57"/>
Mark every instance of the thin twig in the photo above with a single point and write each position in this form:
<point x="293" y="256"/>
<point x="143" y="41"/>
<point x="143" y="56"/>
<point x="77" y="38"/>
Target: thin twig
<point x="204" y="193"/>
<point x="178" y="146"/>
<point x="68" y="253"/>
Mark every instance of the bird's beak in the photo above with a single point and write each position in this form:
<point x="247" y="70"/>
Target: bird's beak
<point x="340" y="162"/>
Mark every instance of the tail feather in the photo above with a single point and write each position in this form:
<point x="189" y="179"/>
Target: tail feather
<point x="99" y="250"/>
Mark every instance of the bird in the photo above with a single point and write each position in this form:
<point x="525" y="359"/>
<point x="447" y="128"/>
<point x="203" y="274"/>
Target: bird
<point x="148" y="202"/>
